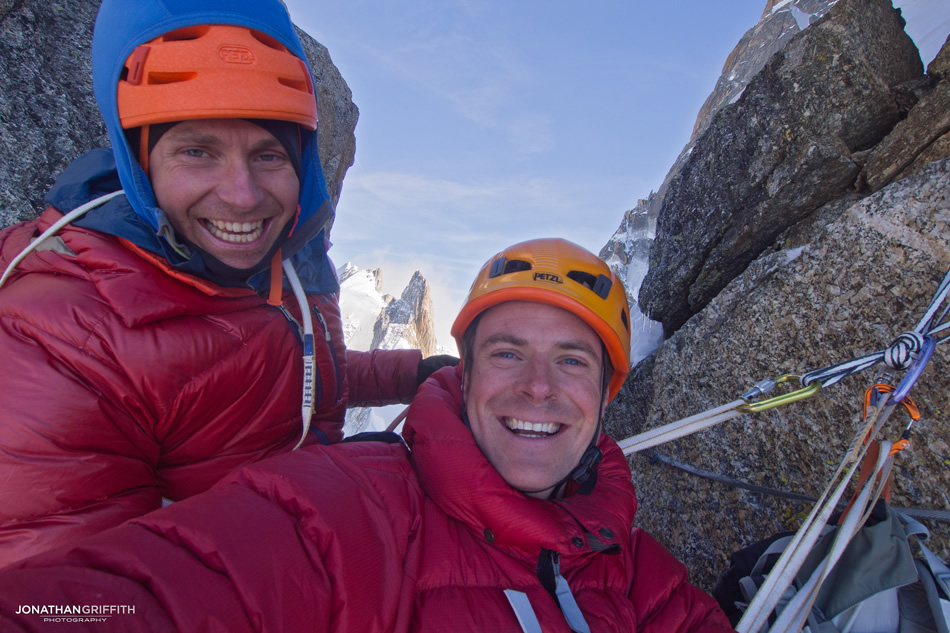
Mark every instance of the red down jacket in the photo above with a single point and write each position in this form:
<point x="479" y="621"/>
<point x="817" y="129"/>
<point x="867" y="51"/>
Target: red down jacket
<point x="122" y="384"/>
<point x="355" y="537"/>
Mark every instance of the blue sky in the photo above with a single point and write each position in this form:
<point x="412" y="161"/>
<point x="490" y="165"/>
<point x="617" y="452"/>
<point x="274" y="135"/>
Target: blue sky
<point x="484" y="123"/>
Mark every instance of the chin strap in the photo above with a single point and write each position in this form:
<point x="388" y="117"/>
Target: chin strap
<point x="585" y="475"/>
<point x="582" y="479"/>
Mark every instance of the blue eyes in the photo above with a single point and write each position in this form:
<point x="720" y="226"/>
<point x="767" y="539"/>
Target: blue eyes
<point x="573" y="362"/>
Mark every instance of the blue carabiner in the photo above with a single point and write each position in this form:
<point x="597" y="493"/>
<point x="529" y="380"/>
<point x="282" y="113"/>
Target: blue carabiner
<point x="923" y="357"/>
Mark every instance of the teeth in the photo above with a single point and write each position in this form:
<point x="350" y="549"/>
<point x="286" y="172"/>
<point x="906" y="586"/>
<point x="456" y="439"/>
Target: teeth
<point x="532" y="427"/>
<point x="237" y="232"/>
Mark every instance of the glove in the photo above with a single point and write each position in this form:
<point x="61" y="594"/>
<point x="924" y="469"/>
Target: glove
<point x="431" y="364"/>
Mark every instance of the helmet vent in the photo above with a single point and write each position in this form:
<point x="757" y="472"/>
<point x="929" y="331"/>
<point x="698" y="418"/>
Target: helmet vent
<point x="625" y="320"/>
<point x="505" y="266"/>
<point x="268" y="41"/>
<point x="600" y="285"/>
<point x="517" y="266"/>
<point x="296" y="84"/>
<point x="169" y="78"/>
<point x="497" y="267"/>
<point x="187" y="33"/>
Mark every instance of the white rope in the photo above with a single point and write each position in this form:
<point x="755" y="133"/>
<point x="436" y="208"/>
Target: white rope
<point x="926" y="322"/>
<point x="681" y="428"/>
<point x="63" y="221"/>
<point x="306" y="406"/>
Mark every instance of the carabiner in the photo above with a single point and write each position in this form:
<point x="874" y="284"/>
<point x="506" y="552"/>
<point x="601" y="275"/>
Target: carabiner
<point x="777" y="401"/>
<point x="873" y="392"/>
<point x="923" y="357"/>
<point x="908" y="402"/>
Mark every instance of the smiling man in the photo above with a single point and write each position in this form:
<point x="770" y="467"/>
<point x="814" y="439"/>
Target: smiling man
<point x="173" y="315"/>
<point x="506" y="510"/>
<point x="535" y="393"/>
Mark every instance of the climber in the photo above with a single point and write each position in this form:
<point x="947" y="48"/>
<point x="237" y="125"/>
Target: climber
<point x="150" y="345"/>
<point x="507" y="508"/>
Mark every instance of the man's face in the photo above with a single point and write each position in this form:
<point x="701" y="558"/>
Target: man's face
<point x="533" y="392"/>
<point x="226" y="185"/>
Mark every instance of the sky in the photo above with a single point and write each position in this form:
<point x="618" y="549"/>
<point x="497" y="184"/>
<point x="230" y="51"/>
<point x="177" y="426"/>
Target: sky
<point x="485" y="122"/>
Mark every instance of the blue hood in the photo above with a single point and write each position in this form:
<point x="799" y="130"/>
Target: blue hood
<point x="121" y="26"/>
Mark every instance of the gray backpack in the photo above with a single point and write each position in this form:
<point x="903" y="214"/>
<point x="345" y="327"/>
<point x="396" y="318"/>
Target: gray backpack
<point x="876" y="587"/>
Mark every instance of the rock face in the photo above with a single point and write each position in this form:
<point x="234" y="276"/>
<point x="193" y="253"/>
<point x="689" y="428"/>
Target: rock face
<point x="843" y="284"/>
<point x="924" y="136"/>
<point x="780" y="21"/>
<point x="784" y="149"/>
<point x="48" y="115"/>
<point x="808" y="224"/>
<point x="407" y="321"/>
<point x="373" y="320"/>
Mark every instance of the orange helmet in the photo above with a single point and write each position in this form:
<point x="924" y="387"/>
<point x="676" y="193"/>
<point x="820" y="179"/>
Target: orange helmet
<point x="562" y="274"/>
<point x="215" y="71"/>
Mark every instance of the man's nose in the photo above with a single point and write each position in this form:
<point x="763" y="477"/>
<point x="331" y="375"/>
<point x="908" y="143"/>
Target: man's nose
<point x="536" y="380"/>
<point x="238" y="186"/>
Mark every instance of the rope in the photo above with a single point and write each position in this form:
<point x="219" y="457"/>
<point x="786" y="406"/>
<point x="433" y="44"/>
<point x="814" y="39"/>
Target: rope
<point x="681" y="428"/>
<point x="306" y="404"/>
<point x="926" y="514"/>
<point x="63" y="221"/>
<point x="903" y="352"/>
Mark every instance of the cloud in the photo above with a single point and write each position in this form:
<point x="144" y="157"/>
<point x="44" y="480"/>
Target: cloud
<point x="482" y="79"/>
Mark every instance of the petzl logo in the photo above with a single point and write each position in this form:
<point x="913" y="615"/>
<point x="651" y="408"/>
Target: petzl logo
<point x="548" y="277"/>
<point x="236" y="55"/>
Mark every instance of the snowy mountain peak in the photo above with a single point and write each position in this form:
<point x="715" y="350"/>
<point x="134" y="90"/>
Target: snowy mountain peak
<point x="407" y="321"/>
<point x="373" y="319"/>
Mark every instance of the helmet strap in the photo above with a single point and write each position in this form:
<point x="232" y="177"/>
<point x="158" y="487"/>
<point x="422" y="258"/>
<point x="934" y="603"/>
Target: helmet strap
<point x="143" y="147"/>
<point x="275" y="297"/>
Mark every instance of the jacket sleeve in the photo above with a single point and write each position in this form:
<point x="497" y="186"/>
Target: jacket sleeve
<point x="313" y="540"/>
<point x="661" y="593"/>
<point x="382" y="377"/>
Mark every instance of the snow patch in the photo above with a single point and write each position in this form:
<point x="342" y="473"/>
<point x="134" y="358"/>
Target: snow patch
<point x="791" y="254"/>
<point x="801" y="18"/>
<point x="780" y="5"/>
